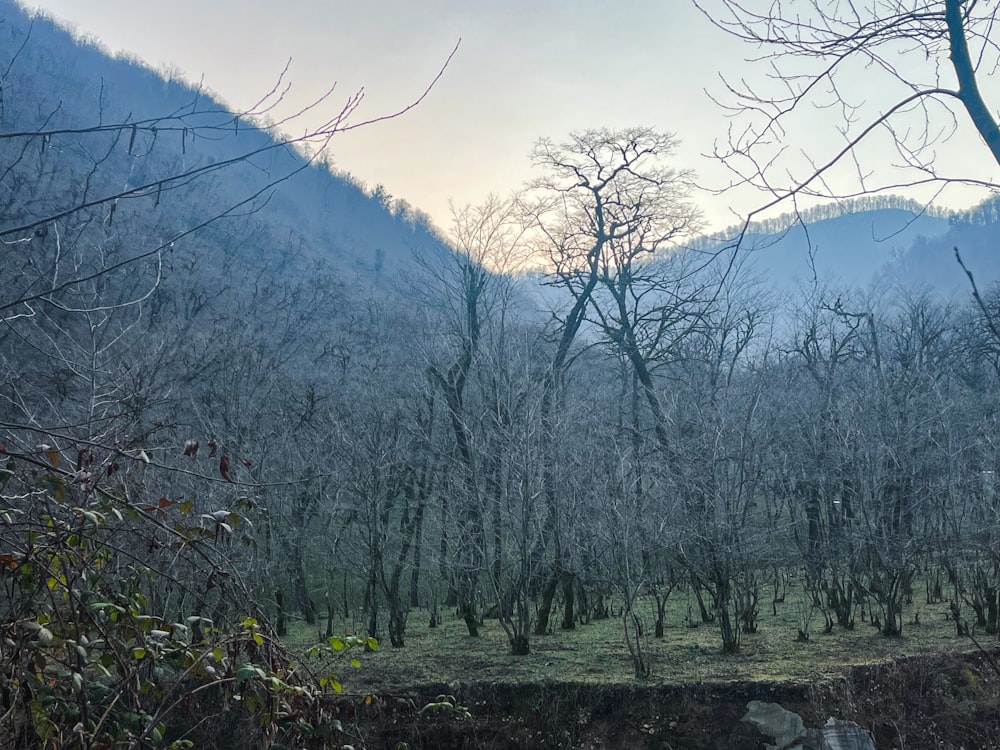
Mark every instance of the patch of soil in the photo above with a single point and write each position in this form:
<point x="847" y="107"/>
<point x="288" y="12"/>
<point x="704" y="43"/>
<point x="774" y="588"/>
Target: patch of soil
<point x="944" y="702"/>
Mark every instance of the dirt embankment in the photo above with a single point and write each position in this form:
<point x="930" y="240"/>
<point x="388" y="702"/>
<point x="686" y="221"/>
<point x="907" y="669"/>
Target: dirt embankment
<point x="942" y="702"/>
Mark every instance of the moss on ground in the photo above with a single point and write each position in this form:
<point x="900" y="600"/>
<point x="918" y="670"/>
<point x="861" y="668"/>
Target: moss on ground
<point x="595" y="652"/>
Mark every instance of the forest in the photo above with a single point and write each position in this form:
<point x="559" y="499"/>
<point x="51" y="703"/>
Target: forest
<point x="246" y="401"/>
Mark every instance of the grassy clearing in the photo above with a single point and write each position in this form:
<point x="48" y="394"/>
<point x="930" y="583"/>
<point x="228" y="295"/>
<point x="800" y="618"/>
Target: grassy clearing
<point x="596" y="652"/>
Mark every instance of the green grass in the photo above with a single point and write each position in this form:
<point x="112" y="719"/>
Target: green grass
<point x="596" y="652"/>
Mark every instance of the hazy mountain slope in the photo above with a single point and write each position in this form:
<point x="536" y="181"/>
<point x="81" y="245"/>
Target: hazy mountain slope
<point x="850" y="250"/>
<point x="974" y="234"/>
<point x="54" y="82"/>
<point x="883" y="247"/>
<point x="232" y="289"/>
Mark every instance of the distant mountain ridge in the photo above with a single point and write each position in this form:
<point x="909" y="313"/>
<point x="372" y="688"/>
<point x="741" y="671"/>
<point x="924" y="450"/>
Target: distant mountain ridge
<point x="876" y="242"/>
<point x="836" y="209"/>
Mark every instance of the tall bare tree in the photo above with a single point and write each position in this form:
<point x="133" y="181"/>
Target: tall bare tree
<point x="607" y="198"/>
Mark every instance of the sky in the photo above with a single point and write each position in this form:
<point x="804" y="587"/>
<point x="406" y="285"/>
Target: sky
<point x="525" y="69"/>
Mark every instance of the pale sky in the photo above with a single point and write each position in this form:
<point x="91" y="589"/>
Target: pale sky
<point x="525" y="69"/>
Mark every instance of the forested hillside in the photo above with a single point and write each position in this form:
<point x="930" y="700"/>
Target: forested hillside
<point x="238" y="394"/>
<point x="876" y="242"/>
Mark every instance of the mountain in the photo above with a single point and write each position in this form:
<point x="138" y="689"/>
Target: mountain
<point x="876" y="243"/>
<point x="169" y="268"/>
<point x="72" y="94"/>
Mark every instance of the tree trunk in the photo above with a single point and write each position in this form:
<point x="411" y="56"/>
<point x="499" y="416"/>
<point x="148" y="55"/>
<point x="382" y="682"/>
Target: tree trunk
<point x="661" y="611"/>
<point x="372" y="622"/>
<point x="302" y="598"/>
<point x="281" y="626"/>
<point x="730" y="632"/>
<point x="471" y="623"/>
<point x="415" y="572"/>
<point x="840" y="597"/>
<point x="706" y="616"/>
<point x="965" y="71"/>
<point x="329" y="615"/>
<point x="569" y="617"/>
<point x="397" y="626"/>
<point x="447" y="575"/>
<point x="545" y="607"/>
<point x="519" y="645"/>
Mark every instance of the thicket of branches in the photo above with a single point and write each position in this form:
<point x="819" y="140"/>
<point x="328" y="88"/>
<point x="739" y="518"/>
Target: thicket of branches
<point x="158" y="368"/>
<point x="208" y="433"/>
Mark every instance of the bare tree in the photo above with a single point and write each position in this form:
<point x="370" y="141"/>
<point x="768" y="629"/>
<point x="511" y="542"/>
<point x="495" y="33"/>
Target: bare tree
<point x="607" y="199"/>
<point x="919" y="63"/>
<point x="470" y="300"/>
<point x="513" y="451"/>
<point x="720" y="471"/>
